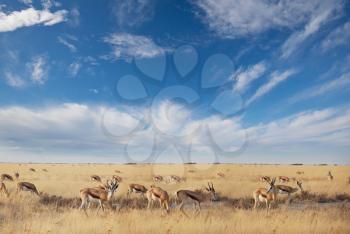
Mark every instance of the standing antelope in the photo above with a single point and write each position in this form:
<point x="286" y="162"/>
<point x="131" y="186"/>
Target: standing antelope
<point x="95" y="178"/>
<point x="195" y="196"/>
<point x="265" y="195"/>
<point x="330" y="176"/>
<point x="136" y="188"/>
<point x="32" y="169"/>
<point x="157" y="178"/>
<point x="26" y="186"/>
<point x="283" y="179"/>
<point x="6" y="177"/>
<point x="3" y="189"/>
<point x="156" y="193"/>
<point x="265" y="179"/>
<point x="17" y="175"/>
<point x="97" y="195"/>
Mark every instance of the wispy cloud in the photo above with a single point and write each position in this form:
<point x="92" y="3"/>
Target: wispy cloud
<point x="247" y="17"/>
<point x="38" y="70"/>
<point x="69" y="45"/>
<point x="126" y="46"/>
<point x="326" y="126"/>
<point x="276" y="78"/>
<point x="244" y="77"/>
<point x="14" y="80"/>
<point x="29" y="17"/>
<point x="74" y="68"/>
<point x="339" y="36"/>
<point x="329" y="86"/>
<point x="133" y="13"/>
<point x="325" y="11"/>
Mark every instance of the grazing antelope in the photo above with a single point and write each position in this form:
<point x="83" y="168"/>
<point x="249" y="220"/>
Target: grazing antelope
<point x="26" y="186"/>
<point x="117" y="178"/>
<point x="330" y="176"/>
<point x="95" y="178"/>
<point x="283" y="179"/>
<point x="44" y="170"/>
<point x="3" y="189"/>
<point x="284" y="189"/>
<point x="32" y="169"/>
<point x="136" y="188"/>
<point x="300" y="172"/>
<point x="6" y="177"/>
<point x="97" y="195"/>
<point x="221" y="175"/>
<point x="196" y="196"/>
<point x="157" y="178"/>
<point x="265" y="195"/>
<point x="117" y="171"/>
<point x="17" y="175"/>
<point x="265" y="179"/>
<point x="156" y="193"/>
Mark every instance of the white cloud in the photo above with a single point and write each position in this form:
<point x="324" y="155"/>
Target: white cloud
<point x="74" y="68"/>
<point x="326" y="10"/>
<point x="69" y="45"/>
<point x="27" y="2"/>
<point x="73" y="127"/>
<point x="248" y="17"/>
<point x="133" y="13"/>
<point x="276" y="78"/>
<point x="14" y="80"/>
<point x="244" y="77"/>
<point x="74" y="17"/>
<point x="341" y="82"/>
<point x="38" y="70"/>
<point x="339" y="36"/>
<point x="30" y="17"/>
<point x="327" y="127"/>
<point x="126" y="46"/>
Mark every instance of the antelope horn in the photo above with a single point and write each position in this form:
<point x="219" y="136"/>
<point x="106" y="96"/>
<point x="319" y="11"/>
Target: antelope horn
<point x="212" y="186"/>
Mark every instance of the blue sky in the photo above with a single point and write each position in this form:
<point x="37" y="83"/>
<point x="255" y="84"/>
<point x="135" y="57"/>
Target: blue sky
<point x="175" y="81"/>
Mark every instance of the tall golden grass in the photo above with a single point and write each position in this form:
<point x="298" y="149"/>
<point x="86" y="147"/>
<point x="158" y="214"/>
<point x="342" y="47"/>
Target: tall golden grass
<point x="56" y="211"/>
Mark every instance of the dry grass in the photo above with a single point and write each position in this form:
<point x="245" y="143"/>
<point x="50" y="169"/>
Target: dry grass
<point x="56" y="210"/>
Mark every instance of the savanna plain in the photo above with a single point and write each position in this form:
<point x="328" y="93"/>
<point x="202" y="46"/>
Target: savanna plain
<point x="322" y="208"/>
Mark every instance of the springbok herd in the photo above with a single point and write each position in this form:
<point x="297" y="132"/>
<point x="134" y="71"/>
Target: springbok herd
<point x="103" y="193"/>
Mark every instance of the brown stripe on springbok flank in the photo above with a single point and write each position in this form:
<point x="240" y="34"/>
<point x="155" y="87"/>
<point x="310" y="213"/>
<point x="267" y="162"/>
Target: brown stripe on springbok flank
<point x="263" y="195"/>
<point x="192" y="196"/>
<point x="283" y="189"/>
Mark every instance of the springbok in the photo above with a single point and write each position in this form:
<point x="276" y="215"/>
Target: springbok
<point x="26" y="186"/>
<point x="97" y="195"/>
<point x="265" y="179"/>
<point x="16" y="175"/>
<point x="157" y="178"/>
<point x="6" y="177"/>
<point x="136" y="188"/>
<point x="3" y="189"/>
<point x="284" y="189"/>
<point x="266" y="195"/>
<point x="300" y="172"/>
<point x="32" y="169"/>
<point x="196" y="197"/>
<point x="175" y="178"/>
<point x="330" y="176"/>
<point x="156" y="193"/>
<point x="221" y="175"/>
<point x="95" y="178"/>
<point x="283" y="179"/>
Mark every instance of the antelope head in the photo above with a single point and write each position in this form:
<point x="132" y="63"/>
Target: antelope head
<point x="299" y="183"/>
<point x="212" y="192"/>
<point x="272" y="187"/>
<point x="111" y="187"/>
